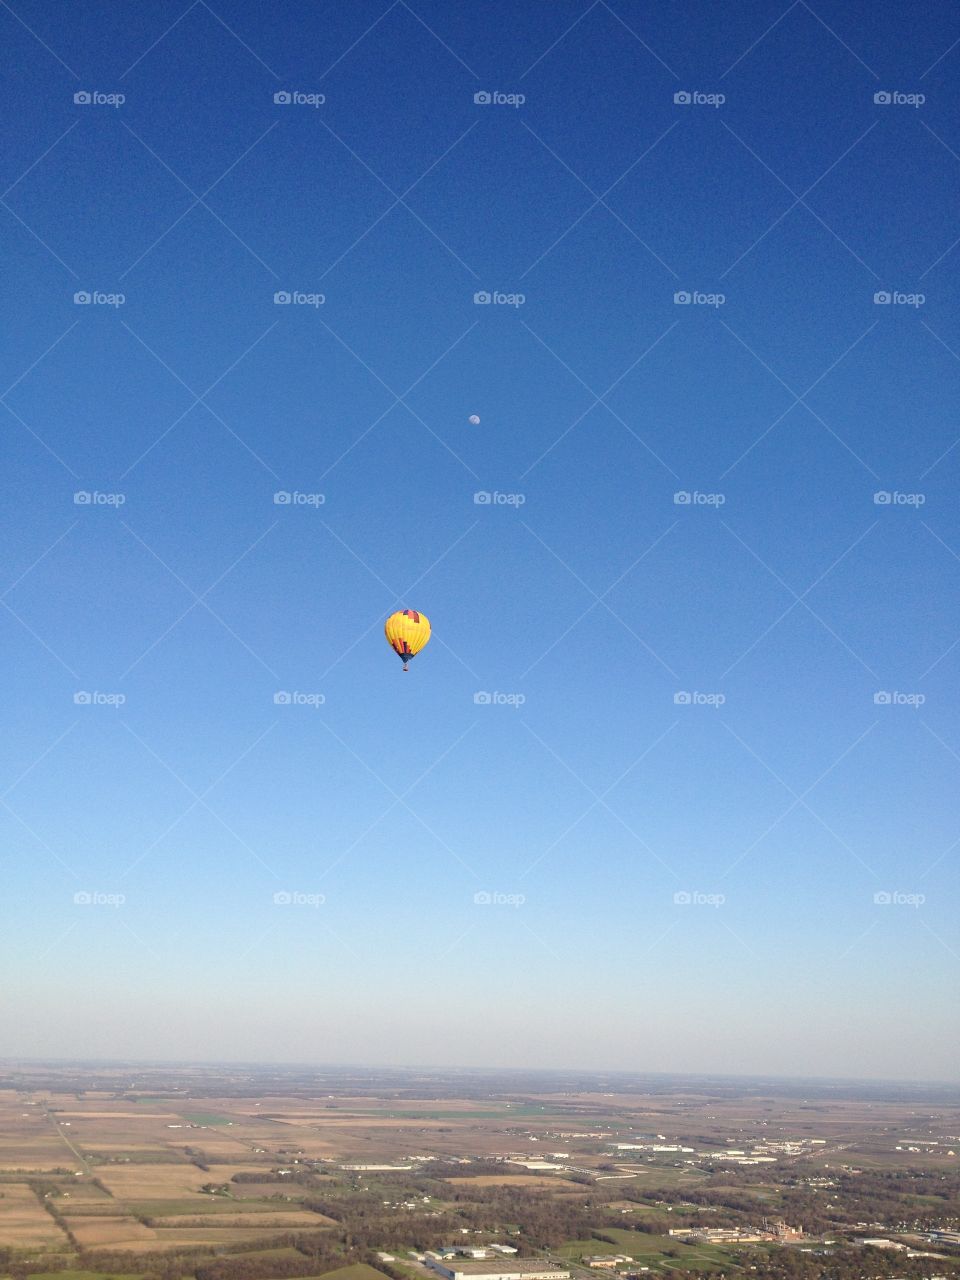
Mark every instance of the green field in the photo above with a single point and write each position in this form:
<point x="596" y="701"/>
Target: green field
<point x="82" y="1275"/>
<point x="356" y="1271"/>
<point x="651" y="1251"/>
<point x="222" y="1204"/>
<point x="205" y="1117"/>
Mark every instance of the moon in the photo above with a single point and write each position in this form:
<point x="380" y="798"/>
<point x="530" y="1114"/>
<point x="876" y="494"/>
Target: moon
<point x="474" y="420"/>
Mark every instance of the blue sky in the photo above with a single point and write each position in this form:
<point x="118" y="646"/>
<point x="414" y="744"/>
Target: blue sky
<point x="713" y="802"/>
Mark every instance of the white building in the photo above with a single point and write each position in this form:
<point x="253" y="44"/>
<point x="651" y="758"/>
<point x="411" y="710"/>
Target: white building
<point x="497" y="1269"/>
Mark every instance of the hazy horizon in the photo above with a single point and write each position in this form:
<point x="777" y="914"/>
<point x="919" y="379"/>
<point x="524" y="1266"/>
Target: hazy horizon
<point x="458" y="1068"/>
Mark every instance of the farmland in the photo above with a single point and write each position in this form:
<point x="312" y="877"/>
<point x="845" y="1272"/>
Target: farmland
<point x="229" y="1174"/>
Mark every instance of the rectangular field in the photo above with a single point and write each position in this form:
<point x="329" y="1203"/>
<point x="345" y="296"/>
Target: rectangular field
<point x="23" y="1220"/>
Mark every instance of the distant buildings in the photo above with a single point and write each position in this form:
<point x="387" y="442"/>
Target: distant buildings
<point x="373" y="1168"/>
<point x="496" y="1269"/>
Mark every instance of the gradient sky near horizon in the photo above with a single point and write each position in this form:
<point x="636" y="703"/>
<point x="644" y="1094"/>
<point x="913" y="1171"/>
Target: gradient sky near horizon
<point x="674" y="786"/>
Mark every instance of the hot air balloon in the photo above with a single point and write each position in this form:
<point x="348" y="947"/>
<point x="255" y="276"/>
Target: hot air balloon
<point x="407" y="632"/>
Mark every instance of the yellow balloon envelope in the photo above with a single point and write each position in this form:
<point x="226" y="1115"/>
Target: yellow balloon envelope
<point x="407" y="632"/>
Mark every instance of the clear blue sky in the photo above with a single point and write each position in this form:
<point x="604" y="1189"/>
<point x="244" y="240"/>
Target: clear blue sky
<point x="780" y="805"/>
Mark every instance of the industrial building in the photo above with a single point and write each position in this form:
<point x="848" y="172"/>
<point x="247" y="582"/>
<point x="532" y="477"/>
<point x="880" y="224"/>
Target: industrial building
<point x="497" y="1269"/>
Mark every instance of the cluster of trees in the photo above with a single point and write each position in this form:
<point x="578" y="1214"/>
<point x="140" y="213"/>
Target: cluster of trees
<point x="844" y="1264"/>
<point x="909" y="1200"/>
